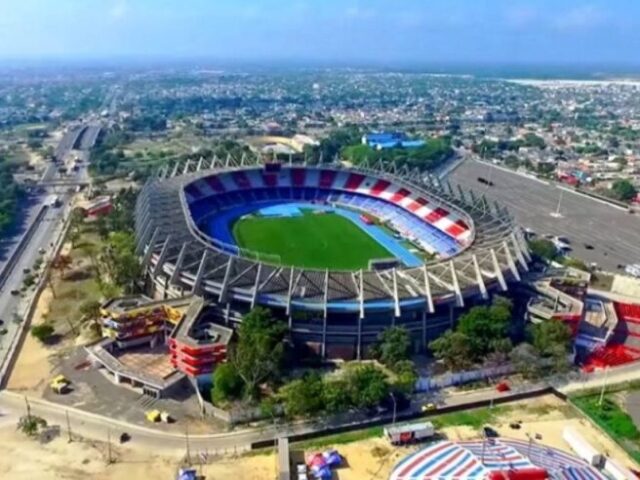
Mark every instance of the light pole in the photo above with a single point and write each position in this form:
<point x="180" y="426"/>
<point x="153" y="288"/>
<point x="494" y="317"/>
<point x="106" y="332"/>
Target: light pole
<point x="393" y="422"/>
<point x="529" y="447"/>
<point x="604" y="386"/>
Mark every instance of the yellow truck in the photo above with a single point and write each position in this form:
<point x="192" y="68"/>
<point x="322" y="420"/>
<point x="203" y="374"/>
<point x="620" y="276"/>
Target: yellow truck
<point x="154" y="416"/>
<point x="60" y="384"/>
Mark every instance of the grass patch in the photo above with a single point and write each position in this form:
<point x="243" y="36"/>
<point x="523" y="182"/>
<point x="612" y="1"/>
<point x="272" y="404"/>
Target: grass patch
<point x="311" y="240"/>
<point x="340" y="438"/>
<point x="614" y="420"/>
<point x="476" y="418"/>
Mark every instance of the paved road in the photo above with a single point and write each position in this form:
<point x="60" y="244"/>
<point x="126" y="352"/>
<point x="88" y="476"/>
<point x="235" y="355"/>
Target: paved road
<point x="612" y="232"/>
<point x="95" y="427"/>
<point x="13" y="307"/>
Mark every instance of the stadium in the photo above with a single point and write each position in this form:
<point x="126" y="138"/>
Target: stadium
<point x="338" y="252"/>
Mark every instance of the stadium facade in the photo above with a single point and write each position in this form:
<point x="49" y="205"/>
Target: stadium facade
<point x="479" y="249"/>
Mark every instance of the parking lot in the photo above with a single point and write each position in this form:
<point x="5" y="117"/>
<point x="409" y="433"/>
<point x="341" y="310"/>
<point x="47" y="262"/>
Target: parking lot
<point x="613" y="233"/>
<point x="92" y="391"/>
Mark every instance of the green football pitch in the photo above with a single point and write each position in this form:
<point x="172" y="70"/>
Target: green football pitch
<point x="311" y="240"/>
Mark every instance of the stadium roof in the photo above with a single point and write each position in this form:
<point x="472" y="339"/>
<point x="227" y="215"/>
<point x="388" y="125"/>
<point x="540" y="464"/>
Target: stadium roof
<point x="480" y="459"/>
<point x="176" y="253"/>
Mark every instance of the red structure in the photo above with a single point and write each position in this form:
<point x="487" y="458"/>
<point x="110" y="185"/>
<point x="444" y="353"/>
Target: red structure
<point x="194" y="359"/>
<point x="625" y="345"/>
<point x="198" y="344"/>
<point x="98" y="207"/>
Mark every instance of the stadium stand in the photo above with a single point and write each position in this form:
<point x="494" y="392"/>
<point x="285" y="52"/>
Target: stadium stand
<point x="343" y="310"/>
<point x="436" y="229"/>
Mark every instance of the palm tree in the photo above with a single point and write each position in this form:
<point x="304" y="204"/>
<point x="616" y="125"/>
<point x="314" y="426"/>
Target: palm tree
<point x="61" y="263"/>
<point x="75" y="226"/>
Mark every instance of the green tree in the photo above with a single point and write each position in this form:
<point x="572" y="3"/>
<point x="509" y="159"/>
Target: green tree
<point x="336" y="396"/>
<point x="453" y="350"/>
<point x="42" y="332"/>
<point x="259" y="351"/>
<point x="393" y="346"/>
<point x="303" y="397"/>
<point x="227" y="384"/>
<point x="90" y="309"/>
<point x="526" y="360"/>
<point x="546" y="336"/>
<point x="543" y="248"/>
<point x="533" y="140"/>
<point x="31" y="425"/>
<point x="367" y="386"/>
<point x="75" y="226"/>
<point x="357" y="154"/>
<point x="483" y="326"/>
<point x="120" y="260"/>
<point x="406" y="376"/>
<point x="623" y="190"/>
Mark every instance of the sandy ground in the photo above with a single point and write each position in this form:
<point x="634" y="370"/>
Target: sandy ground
<point x="373" y="459"/>
<point x="626" y="286"/>
<point x="32" y="369"/>
<point x="547" y="416"/>
<point x="26" y="459"/>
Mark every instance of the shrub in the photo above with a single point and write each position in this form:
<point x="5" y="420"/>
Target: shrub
<point x="227" y="384"/>
<point x="42" y="332"/>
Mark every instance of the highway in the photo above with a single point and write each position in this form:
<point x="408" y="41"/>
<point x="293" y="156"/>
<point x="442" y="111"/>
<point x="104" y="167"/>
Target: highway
<point x="12" y="307"/>
<point x="43" y="225"/>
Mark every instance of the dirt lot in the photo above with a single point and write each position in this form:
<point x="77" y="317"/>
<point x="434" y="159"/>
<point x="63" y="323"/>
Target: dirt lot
<point x="25" y="459"/>
<point x="371" y="459"/>
<point x="34" y="365"/>
<point x="547" y="416"/>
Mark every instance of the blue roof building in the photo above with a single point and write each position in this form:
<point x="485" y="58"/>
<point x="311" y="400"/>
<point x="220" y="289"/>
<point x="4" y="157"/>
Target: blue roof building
<point x="384" y="140"/>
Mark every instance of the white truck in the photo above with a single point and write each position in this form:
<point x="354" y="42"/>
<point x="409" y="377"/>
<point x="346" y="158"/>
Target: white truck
<point x="409" y="432"/>
<point x="583" y="448"/>
<point x="618" y="471"/>
<point x="54" y="201"/>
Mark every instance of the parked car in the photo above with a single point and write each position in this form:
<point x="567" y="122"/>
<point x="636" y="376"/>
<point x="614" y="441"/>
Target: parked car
<point x="490" y="432"/>
<point x="485" y="181"/>
<point x="429" y="407"/>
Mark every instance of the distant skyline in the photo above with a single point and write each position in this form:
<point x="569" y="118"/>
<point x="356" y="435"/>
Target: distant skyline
<point x="380" y="32"/>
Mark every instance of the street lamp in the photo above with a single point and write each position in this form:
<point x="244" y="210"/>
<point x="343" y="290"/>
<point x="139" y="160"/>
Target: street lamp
<point x="604" y="386"/>
<point x="394" y="407"/>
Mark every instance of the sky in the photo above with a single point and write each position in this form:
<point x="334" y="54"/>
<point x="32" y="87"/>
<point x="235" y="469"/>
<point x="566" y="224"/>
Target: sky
<point x="594" y="32"/>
